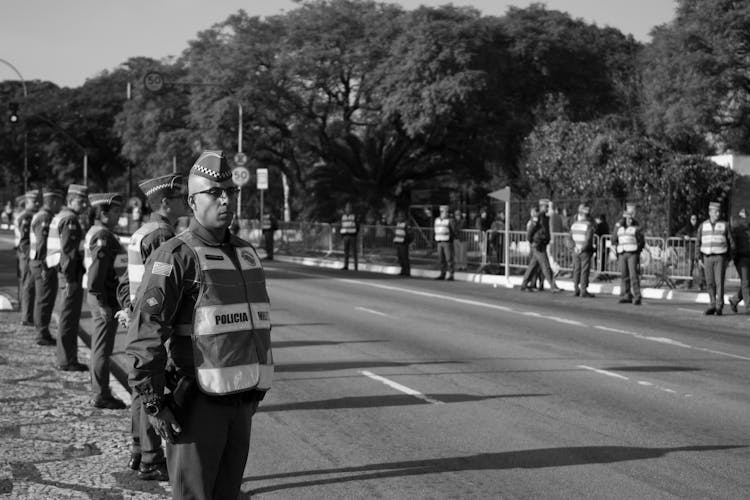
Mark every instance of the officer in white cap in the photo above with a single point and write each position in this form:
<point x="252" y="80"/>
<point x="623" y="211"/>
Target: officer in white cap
<point x="716" y="245"/>
<point x="204" y="291"/>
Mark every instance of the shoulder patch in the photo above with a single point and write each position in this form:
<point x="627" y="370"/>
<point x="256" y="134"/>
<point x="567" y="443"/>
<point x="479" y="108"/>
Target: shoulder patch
<point x="161" y="268"/>
<point x="153" y="301"/>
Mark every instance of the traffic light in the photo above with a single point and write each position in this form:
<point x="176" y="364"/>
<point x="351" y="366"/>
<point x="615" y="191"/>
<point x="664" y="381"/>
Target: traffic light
<point x="13" y="112"/>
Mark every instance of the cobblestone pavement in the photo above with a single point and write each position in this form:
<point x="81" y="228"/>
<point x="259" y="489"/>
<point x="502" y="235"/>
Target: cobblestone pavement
<point x="53" y="443"/>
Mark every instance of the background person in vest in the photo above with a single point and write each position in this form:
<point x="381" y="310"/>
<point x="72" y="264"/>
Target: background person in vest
<point x="45" y="279"/>
<point x="269" y="227"/>
<point x="348" y="231"/>
<point x="401" y="239"/>
<point x="716" y="245"/>
<point x="628" y="242"/>
<point x="167" y="200"/>
<point x="207" y="422"/>
<point x="741" y="236"/>
<point x="22" y="245"/>
<point x="102" y="249"/>
<point x="538" y="235"/>
<point x="65" y="253"/>
<point x="444" y="236"/>
<point x="582" y="234"/>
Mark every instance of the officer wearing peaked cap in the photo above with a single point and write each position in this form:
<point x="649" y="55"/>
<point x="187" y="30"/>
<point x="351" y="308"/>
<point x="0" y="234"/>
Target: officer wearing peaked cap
<point x="22" y="229"/>
<point x="166" y="196"/>
<point x="716" y="245"/>
<point x="45" y="280"/>
<point x="104" y="259"/>
<point x="65" y="254"/>
<point x="204" y="291"/>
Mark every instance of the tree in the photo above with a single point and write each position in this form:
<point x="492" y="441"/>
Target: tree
<point x="696" y="83"/>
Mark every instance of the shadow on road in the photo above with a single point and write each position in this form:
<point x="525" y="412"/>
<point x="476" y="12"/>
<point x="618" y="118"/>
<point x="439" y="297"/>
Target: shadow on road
<point x="523" y="459"/>
<point x="382" y="401"/>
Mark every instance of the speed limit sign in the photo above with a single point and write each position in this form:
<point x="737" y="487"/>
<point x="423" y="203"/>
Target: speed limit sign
<point x="240" y="176"/>
<point x="153" y="81"/>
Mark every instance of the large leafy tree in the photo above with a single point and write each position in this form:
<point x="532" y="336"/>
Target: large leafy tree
<point x="696" y="80"/>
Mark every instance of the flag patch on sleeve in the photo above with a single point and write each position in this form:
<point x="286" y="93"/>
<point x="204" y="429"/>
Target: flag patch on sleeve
<point x="161" y="268"/>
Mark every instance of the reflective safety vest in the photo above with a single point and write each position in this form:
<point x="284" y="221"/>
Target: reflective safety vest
<point x="38" y="245"/>
<point x="135" y="260"/>
<point x="54" y="245"/>
<point x="578" y="231"/>
<point x="713" y="238"/>
<point x="626" y="240"/>
<point x="348" y="224"/>
<point x="232" y="321"/>
<point x="442" y="229"/>
<point x="400" y="233"/>
<point x="120" y="259"/>
<point x="266" y="222"/>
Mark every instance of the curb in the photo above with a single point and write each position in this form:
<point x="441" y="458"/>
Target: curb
<point x="511" y="282"/>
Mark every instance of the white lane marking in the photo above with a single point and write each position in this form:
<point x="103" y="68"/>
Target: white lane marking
<point x="643" y="382"/>
<point x="604" y="372"/>
<point x="372" y="311"/>
<point x="402" y="388"/>
<point x="566" y="321"/>
<point x="524" y="313"/>
<point x="689" y="310"/>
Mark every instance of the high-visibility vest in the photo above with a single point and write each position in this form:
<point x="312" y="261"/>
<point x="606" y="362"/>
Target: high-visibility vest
<point x="713" y="238"/>
<point x="626" y="240"/>
<point x="101" y="233"/>
<point x="400" y="233"/>
<point x="54" y="245"/>
<point x="38" y="244"/>
<point x="232" y="321"/>
<point x="135" y="259"/>
<point x="442" y="229"/>
<point x="266" y="222"/>
<point x="348" y="224"/>
<point x="578" y="231"/>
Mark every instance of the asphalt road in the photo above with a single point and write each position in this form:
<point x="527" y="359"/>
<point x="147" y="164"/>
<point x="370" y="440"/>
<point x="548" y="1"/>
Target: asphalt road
<point x="406" y="388"/>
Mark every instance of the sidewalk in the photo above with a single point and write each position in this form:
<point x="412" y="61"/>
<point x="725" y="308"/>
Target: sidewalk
<point x="54" y="444"/>
<point x="598" y="288"/>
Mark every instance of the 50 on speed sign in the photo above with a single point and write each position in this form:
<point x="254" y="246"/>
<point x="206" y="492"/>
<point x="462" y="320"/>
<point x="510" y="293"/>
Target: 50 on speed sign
<point x="240" y="176"/>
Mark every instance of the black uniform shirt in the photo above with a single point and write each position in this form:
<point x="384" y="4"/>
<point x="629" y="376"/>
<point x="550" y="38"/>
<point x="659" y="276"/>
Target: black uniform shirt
<point x="71" y="259"/>
<point x="104" y="247"/>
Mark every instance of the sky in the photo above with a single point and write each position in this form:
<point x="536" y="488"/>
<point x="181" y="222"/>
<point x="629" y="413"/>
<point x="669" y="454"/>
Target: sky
<point x="69" y="41"/>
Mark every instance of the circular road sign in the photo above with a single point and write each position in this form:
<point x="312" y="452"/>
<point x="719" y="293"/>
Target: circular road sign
<point x="153" y="81"/>
<point x="240" y="176"/>
<point x="240" y="159"/>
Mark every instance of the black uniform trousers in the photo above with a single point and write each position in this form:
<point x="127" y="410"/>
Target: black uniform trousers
<point x="102" y="345"/>
<point x="581" y="271"/>
<point x="45" y="291"/>
<point x="402" y="252"/>
<point x="350" y="245"/>
<point x="539" y="263"/>
<point x="268" y="241"/>
<point x="630" y="280"/>
<point x="207" y="459"/>
<point x="70" y="304"/>
<point x="716" y="269"/>
<point x="26" y="288"/>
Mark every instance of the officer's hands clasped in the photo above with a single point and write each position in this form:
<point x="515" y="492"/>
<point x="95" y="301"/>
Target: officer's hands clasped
<point x="165" y="424"/>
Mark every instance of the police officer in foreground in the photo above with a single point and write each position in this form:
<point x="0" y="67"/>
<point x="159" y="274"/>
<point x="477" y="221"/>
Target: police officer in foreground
<point x="104" y="261"/>
<point x="65" y="254"/>
<point x="203" y="291"/>
<point x="716" y="245"/>
<point x="348" y="231"/>
<point x="166" y="198"/>
<point x="22" y="245"/>
<point x="582" y="234"/>
<point x="628" y="242"/>
<point x="45" y="279"/>
<point x="445" y="233"/>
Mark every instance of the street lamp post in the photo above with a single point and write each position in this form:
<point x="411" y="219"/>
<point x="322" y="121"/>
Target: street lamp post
<point x="25" y="132"/>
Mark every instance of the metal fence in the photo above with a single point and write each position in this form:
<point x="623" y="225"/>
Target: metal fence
<point x="664" y="259"/>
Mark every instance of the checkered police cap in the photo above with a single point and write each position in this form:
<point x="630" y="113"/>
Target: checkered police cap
<point x="213" y="166"/>
<point x="78" y="190"/>
<point x="53" y="192"/>
<point x="32" y="195"/>
<point x="100" y="199"/>
<point x="163" y="186"/>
